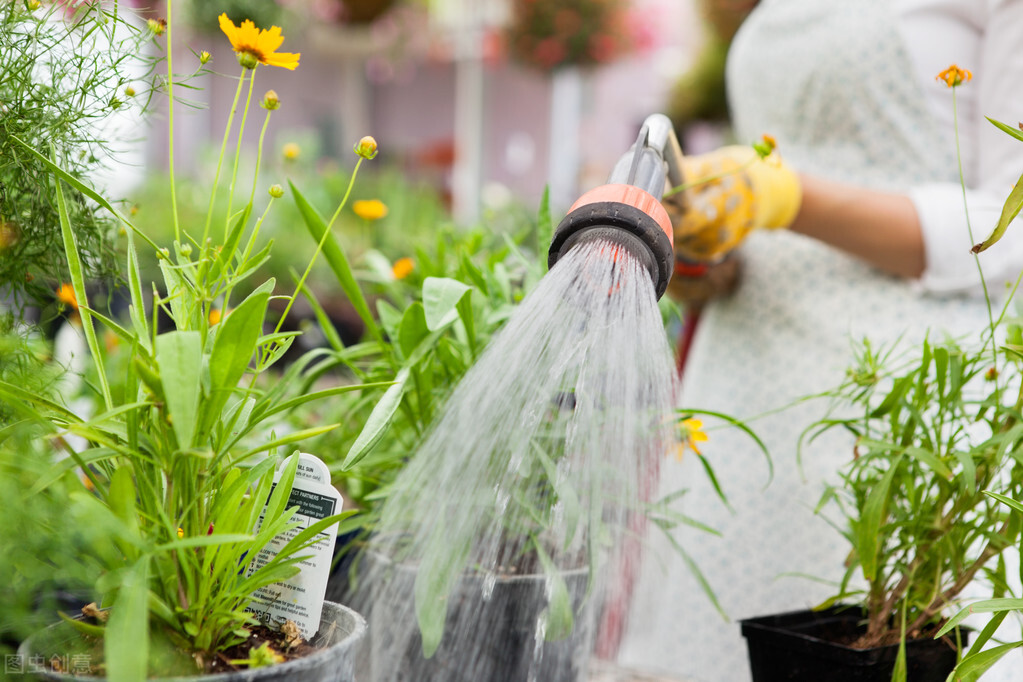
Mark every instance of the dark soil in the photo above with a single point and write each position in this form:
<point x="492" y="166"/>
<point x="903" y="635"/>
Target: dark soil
<point x="257" y="637"/>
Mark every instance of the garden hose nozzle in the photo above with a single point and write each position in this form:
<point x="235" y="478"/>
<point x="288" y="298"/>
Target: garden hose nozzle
<point x="627" y="210"/>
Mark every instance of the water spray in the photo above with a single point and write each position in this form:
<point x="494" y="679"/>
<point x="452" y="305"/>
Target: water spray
<point x="627" y="212"/>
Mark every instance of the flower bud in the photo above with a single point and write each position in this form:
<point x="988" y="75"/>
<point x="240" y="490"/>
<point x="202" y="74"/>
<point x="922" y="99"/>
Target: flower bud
<point x="186" y="250"/>
<point x="204" y="57"/>
<point x="129" y="91"/>
<point x="163" y="254"/>
<point x="33" y="5"/>
<point x="276" y="191"/>
<point x="157" y="26"/>
<point x="366" y="147"/>
<point x="291" y="151"/>
<point x="247" y="60"/>
<point x="270" y="101"/>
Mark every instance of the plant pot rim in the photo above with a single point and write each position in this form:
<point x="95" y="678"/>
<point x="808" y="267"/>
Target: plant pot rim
<point x="332" y="613"/>
<point x="783" y="622"/>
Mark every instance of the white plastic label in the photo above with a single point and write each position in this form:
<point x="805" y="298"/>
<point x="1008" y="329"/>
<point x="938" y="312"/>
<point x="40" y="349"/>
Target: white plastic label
<point x="300" y="598"/>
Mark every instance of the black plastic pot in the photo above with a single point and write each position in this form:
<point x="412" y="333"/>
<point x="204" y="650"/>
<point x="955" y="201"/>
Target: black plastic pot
<point x="804" y="646"/>
<point x="343" y="629"/>
<point x="490" y="634"/>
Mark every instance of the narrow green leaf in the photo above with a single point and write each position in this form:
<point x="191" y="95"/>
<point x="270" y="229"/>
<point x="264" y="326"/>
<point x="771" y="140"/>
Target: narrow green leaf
<point x="972" y="668"/>
<point x="126" y="646"/>
<point x="545" y="226"/>
<point x="377" y="422"/>
<point x="179" y="355"/>
<point x="558" y="616"/>
<point x="985" y="606"/>
<point x="336" y="259"/>
<point x="1004" y="127"/>
<point x="868" y="531"/>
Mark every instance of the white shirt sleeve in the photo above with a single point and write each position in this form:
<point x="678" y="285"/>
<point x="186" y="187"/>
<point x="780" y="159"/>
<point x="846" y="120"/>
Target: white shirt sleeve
<point x="986" y="37"/>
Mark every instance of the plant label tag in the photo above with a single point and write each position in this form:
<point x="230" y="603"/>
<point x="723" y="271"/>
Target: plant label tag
<point x="312" y="468"/>
<point x="300" y="598"/>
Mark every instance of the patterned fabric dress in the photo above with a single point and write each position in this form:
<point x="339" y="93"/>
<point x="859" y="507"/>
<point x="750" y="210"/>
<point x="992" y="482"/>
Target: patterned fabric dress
<point x="834" y="83"/>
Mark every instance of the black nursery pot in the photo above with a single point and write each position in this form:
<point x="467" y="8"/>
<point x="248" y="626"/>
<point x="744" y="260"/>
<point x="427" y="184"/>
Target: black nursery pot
<point x="803" y="646"/>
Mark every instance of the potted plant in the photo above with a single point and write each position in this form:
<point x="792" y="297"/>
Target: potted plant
<point x="490" y="544"/>
<point x="185" y="446"/>
<point x="937" y="430"/>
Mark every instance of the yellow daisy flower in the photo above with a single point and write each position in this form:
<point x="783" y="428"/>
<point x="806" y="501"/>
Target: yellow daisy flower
<point x="370" y="209"/>
<point x="291" y="151"/>
<point x="954" y="76"/>
<point x="691" y="432"/>
<point x="257" y="46"/>
<point x="402" y="268"/>
<point x="66" y="295"/>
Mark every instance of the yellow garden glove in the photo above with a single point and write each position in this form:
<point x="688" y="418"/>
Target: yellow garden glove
<point x="729" y="193"/>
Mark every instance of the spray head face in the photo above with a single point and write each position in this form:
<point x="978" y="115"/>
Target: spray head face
<point x="629" y="218"/>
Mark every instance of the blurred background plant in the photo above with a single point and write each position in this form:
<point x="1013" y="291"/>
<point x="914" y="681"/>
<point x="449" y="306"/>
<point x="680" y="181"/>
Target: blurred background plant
<point x="66" y="74"/>
<point x="548" y="34"/>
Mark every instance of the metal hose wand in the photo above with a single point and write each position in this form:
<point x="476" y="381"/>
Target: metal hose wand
<point x="627" y="210"/>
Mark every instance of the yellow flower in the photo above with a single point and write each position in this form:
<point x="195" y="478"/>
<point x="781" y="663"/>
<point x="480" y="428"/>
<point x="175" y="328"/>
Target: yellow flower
<point x="157" y="26"/>
<point x="66" y="295"/>
<point x="215" y="316"/>
<point x="402" y="268"/>
<point x="181" y="533"/>
<point x="954" y="76"/>
<point x="257" y="46"/>
<point x="291" y="151"/>
<point x="691" y="432"/>
<point x="370" y="209"/>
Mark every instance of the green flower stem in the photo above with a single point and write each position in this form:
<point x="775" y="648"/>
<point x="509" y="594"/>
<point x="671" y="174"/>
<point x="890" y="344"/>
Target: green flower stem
<point x="220" y="159"/>
<point x="170" y="121"/>
<point x="238" y="155"/>
<point x="252" y="197"/>
<point x="259" y="155"/>
<point x="969" y="228"/>
<point x="319" y="245"/>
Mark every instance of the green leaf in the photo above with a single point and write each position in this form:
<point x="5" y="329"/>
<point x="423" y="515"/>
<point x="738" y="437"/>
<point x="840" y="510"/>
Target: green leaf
<point x="985" y="606"/>
<point x="868" y="530"/>
<point x="971" y="668"/>
<point x="179" y="355"/>
<point x="336" y="259"/>
<point x="558" y="616"/>
<point x="1011" y="130"/>
<point x="436" y="578"/>
<point x="234" y="347"/>
<point x="440" y="299"/>
<point x="378" y="421"/>
<point x="413" y="328"/>
<point x="545" y="226"/>
<point x="898" y="391"/>
<point x="126" y="646"/>
<point x="1010" y="210"/>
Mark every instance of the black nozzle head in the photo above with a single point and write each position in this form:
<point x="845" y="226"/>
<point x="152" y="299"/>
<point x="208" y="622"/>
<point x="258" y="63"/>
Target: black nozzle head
<point x="621" y="224"/>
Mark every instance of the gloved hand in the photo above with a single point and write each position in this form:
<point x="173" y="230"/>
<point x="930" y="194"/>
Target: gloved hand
<point x="730" y="192"/>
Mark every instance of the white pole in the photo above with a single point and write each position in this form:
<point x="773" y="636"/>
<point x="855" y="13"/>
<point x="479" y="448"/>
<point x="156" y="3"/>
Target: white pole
<point x="563" y="147"/>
